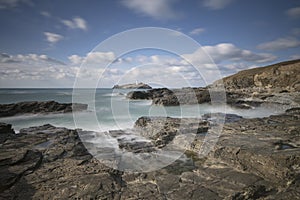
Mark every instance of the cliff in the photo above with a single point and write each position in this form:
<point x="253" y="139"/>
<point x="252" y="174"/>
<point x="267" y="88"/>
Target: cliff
<point x="280" y="76"/>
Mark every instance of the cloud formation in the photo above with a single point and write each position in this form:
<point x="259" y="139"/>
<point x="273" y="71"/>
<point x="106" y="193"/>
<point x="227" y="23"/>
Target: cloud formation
<point x="197" y="31"/>
<point x="98" y="59"/>
<point x="157" y="9"/>
<point x="9" y="4"/>
<point x="294" y="12"/>
<point x="75" y="23"/>
<point x="45" y="14"/>
<point x="166" y="70"/>
<point x="216" y="4"/>
<point x="226" y="52"/>
<point x="32" y="70"/>
<point x="280" y="44"/>
<point x="53" y="38"/>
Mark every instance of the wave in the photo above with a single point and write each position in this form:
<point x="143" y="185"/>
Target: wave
<point x="114" y="94"/>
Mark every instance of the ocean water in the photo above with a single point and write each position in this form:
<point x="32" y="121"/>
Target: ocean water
<point x="107" y="110"/>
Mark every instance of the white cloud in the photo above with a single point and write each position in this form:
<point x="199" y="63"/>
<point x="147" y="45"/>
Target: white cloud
<point x="76" y="23"/>
<point x="197" y="31"/>
<point x="294" y="12"/>
<point x="164" y="70"/>
<point x="9" y="4"/>
<point x="226" y="52"/>
<point x="97" y="59"/>
<point x="158" y="9"/>
<point x="53" y="37"/>
<point x="280" y="44"/>
<point x="216" y="4"/>
<point x="45" y="14"/>
<point x="165" y="76"/>
<point x="31" y="70"/>
<point x="75" y="59"/>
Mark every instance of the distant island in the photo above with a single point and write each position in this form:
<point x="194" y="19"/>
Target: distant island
<point x="133" y="86"/>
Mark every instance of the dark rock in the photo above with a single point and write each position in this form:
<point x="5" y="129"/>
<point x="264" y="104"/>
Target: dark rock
<point x="136" y="146"/>
<point x="167" y="97"/>
<point x="138" y="95"/>
<point x="33" y="107"/>
<point x="6" y="132"/>
<point x="161" y="131"/>
<point x="251" y="192"/>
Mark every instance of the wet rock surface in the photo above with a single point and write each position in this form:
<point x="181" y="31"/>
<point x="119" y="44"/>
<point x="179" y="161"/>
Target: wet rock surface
<point x="253" y="159"/>
<point x="35" y="107"/>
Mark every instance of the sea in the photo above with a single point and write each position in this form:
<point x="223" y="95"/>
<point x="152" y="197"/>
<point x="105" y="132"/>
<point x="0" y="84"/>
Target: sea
<point x="108" y="109"/>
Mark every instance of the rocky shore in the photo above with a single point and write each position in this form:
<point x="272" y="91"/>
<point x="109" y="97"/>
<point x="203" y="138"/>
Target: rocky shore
<point x="275" y="84"/>
<point x="35" y="107"/>
<point x="253" y="159"/>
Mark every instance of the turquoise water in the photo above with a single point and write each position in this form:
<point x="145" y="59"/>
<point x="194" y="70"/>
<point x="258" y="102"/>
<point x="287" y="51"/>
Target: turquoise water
<point x="110" y="108"/>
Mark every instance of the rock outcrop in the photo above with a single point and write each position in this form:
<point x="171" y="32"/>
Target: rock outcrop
<point x="6" y="132"/>
<point x="167" y="97"/>
<point x="278" y="77"/>
<point x="133" y="86"/>
<point x="276" y="84"/>
<point x="43" y="107"/>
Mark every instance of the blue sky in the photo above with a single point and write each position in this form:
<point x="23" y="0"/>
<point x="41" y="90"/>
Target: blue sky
<point x="43" y="43"/>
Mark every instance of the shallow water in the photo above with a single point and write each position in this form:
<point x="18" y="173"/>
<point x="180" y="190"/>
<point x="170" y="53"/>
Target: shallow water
<point x="108" y="109"/>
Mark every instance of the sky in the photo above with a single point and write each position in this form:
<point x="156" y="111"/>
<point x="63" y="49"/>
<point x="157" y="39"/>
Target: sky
<point x="52" y="43"/>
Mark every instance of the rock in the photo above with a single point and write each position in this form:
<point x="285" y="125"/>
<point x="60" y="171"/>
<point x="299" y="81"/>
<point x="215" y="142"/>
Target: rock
<point x="161" y="131"/>
<point x="34" y="107"/>
<point x="133" y="86"/>
<point x="6" y="132"/>
<point x="251" y="192"/>
<point x="136" y="146"/>
<point x="138" y="95"/>
<point x="280" y="76"/>
<point x="167" y="97"/>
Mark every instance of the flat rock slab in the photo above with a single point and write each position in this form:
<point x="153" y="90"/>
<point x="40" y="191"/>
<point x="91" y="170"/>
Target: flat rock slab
<point x="35" y="107"/>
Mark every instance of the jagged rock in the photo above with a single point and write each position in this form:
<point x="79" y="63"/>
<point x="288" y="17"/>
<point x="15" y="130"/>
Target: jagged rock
<point x="163" y="130"/>
<point x="33" y="107"/>
<point x="167" y="97"/>
<point x="138" y="95"/>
